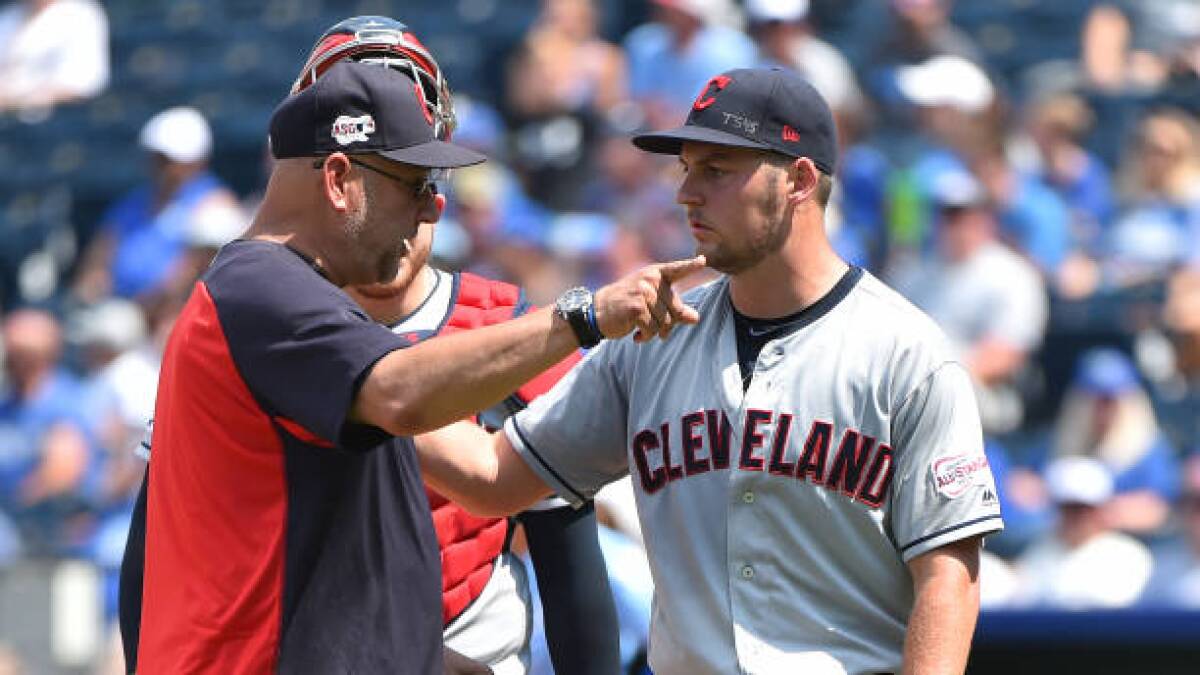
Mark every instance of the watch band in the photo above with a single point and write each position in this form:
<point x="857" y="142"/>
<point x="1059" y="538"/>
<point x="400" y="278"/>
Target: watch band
<point x="577" y="308"/>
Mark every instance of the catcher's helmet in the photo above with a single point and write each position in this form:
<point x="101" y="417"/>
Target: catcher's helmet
<point x="388" y="42"/>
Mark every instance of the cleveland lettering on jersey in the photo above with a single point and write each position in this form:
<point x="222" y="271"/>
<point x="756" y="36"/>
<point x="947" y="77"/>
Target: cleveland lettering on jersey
<point x="859" y="468"/>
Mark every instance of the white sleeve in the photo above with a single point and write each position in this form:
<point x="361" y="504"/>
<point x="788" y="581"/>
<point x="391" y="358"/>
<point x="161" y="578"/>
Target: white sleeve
<point x="143" y="448"/>
<point x="943" y="489"/>
<point x="83" y="69"/>
<point x="573" y="436"/>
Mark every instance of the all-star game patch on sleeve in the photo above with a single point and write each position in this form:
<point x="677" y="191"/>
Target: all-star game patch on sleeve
<point x="943" y="489"/>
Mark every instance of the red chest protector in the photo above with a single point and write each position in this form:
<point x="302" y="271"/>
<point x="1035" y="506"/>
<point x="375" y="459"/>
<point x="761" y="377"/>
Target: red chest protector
<point x="469" y="545"/>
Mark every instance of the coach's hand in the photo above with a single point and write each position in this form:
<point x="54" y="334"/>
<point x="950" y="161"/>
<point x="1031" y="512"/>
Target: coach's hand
<point x="645" y="301"/>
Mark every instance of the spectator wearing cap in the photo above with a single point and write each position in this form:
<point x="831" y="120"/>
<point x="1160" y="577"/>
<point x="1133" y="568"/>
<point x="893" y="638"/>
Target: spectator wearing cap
<point x="917" y="31"/>
<point x="956" y="109"/>
<point x="1058" y="125"/>
<point x="1084" y="563"/>
<point x="51" y="52"/>
<point x="117" y="397"/>
<point x="990" y="301"/>
<point x="1107" y="415"/>
<point x="1176" y="578"/>
<point x="950" y="101"/>
<point x="283" y="508"/>
<point x="142" y="238"/>
<point x="671" y="57"/>
<point x="784" y="37"/>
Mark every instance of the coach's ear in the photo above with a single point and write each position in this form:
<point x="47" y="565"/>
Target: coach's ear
<point x="335" y="180"/>
<point x="803" y="178"/>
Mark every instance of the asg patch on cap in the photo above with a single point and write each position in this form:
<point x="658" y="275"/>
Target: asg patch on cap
<point x="361" y="108"/>
<point x="347" y="130"/>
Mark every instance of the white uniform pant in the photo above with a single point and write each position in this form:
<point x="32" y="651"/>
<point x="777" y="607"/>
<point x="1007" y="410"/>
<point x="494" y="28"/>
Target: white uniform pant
<point x="495" y="628"/>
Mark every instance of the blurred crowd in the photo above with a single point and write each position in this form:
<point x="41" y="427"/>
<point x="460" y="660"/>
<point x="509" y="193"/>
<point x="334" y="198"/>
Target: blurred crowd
<point x="1048" y="220"/>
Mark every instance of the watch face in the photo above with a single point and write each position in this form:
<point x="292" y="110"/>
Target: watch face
<point x="575" y="299"/>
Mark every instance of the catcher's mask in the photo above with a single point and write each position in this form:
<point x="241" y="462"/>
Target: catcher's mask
<point x="388" y="42"/>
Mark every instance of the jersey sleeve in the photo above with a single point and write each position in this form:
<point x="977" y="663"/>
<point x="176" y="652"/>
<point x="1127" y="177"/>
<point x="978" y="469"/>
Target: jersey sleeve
<point x="303" y="348"/>
<point x="573" y="436"/>
<point x="943" y="489"/>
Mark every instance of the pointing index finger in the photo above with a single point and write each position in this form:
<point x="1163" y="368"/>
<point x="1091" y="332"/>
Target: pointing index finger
<point x="679" y="269"/>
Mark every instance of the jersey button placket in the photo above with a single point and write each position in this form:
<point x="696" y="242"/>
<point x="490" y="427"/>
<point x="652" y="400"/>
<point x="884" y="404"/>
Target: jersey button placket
<point x="748" y="497"/>
<point x="747" y="572"/>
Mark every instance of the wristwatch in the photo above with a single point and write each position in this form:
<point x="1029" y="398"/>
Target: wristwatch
<point x="576" y="308"/>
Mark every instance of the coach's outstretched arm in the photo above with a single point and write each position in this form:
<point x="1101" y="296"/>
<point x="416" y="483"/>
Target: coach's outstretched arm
<point x="440" y="381"/>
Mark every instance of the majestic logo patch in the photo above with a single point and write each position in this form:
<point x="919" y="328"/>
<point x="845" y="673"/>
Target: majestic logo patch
<point x="347" y="130"/>
<point x="740" y="122"/>
<point x="953" y="475"/>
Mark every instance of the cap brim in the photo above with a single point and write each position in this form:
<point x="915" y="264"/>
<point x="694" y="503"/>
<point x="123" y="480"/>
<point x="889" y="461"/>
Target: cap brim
<point x="671" y="142"/>
<point x="434" y="155"/>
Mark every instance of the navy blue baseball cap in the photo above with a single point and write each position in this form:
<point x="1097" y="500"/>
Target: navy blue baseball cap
<point x="771" y="109"/>
<point x="359" y="108"/>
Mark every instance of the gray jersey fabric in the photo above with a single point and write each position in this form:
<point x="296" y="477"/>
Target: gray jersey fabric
<point x="777" y="521"/>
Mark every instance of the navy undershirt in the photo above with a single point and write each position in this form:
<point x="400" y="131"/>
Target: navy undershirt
<point x="753" y="334"/>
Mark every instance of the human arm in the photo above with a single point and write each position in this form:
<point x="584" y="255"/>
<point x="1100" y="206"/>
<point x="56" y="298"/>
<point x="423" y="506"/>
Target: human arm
<point x="93" y="281"/>
<point x="440" y="381"/>
<point x="577" y="602"/>
<point x="946" y="588"/>
<point x="993" y="361"/>
<point x="480" y="471"/>
<point x="64" y="461"/>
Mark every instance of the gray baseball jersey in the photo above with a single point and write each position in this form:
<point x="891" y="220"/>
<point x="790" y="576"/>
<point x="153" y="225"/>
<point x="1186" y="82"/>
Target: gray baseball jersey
<point x="777" y="520"/>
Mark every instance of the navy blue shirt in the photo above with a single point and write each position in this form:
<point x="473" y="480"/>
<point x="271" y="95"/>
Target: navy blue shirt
<point x="279" y="535"/>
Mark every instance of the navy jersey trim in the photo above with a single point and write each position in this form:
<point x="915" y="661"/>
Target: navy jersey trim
<point x="797" y="320"/>
<point x="948" y="530"/>
<point x="546" y="465"/>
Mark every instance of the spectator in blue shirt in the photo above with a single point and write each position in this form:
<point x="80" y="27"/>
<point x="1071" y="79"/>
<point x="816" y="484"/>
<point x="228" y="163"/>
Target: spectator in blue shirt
<point x="44" y="450"/>
<point x="1057" y="125"/>
<point x="143" y="238"/>
<point x="1157" y="229"/>
<point x="672" y="57"/>
<point x="1033" y="219"/>
<point x="1107" y="415"/>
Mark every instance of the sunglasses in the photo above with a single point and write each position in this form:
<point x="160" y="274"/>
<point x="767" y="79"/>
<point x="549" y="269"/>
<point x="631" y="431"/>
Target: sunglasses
<point x="420" y="189"/>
